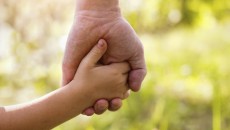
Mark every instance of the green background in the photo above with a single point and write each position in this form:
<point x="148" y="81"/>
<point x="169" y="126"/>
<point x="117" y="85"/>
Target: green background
<point x="187" y="50"/>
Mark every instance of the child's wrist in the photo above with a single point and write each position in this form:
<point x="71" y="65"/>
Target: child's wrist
<point x="81" y="92"/>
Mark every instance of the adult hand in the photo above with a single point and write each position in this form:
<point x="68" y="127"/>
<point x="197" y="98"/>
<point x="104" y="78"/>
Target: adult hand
<point x="101" y="19"/>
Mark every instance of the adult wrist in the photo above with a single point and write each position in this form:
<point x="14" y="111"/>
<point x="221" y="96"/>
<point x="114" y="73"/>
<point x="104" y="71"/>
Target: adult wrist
<point x="98" y="7"/>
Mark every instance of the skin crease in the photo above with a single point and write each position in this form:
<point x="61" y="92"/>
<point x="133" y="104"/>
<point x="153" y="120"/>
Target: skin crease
<point x="94" y="21"/>
<point x="67" y="102"/>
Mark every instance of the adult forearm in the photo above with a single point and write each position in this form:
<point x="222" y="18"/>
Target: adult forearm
<point x="98" y="5"/>
<point x="44" y="113"/>
<point x="98" y="8"/>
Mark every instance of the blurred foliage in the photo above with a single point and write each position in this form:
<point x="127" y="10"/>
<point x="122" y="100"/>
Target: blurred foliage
<point x="186" y="44"/>
<point x="163" y="15"/>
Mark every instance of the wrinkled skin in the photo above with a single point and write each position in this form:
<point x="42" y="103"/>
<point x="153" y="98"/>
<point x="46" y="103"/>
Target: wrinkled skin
<point x="123" y="45"/>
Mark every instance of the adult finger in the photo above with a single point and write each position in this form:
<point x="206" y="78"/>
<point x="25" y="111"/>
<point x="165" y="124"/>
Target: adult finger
<point x="138" y="73"/>
<point x="136" y="78"/>
<point x="115" y="104"/>
<point x="89" y="111"/>
<point x="101" y="106"/>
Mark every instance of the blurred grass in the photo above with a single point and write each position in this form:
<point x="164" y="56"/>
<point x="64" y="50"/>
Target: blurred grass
<point x="186" y="49"/>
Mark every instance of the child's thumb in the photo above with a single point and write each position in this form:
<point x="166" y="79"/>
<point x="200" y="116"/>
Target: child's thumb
<point x="96" y="53"/>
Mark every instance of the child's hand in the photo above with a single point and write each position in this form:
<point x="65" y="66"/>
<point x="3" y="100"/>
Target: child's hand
<point x="101" y="81"/>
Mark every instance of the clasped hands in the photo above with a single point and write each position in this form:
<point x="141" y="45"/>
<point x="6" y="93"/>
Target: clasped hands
<point x="123" y="45"/>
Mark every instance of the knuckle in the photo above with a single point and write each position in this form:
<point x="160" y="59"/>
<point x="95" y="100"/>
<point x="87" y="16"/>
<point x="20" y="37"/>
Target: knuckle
<point x="115" y="72"/>
<point x="120" y="81"/>
<point x="84" y="64"/>
<point x="96" y="51"/>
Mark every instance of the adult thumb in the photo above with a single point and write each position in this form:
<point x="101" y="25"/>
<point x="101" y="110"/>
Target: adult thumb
<point x="96" y="53"/>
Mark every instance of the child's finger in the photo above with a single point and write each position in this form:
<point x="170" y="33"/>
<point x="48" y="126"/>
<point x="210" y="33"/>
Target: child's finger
<point x="96" y="53"/>
<point x="122" y="67"/>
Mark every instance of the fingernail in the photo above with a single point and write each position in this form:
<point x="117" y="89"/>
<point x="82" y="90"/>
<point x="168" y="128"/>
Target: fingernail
<point x="100" y="44"/>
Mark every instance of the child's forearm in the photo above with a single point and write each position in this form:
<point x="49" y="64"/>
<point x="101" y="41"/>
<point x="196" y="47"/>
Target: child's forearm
<point x="45" y="112"/>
